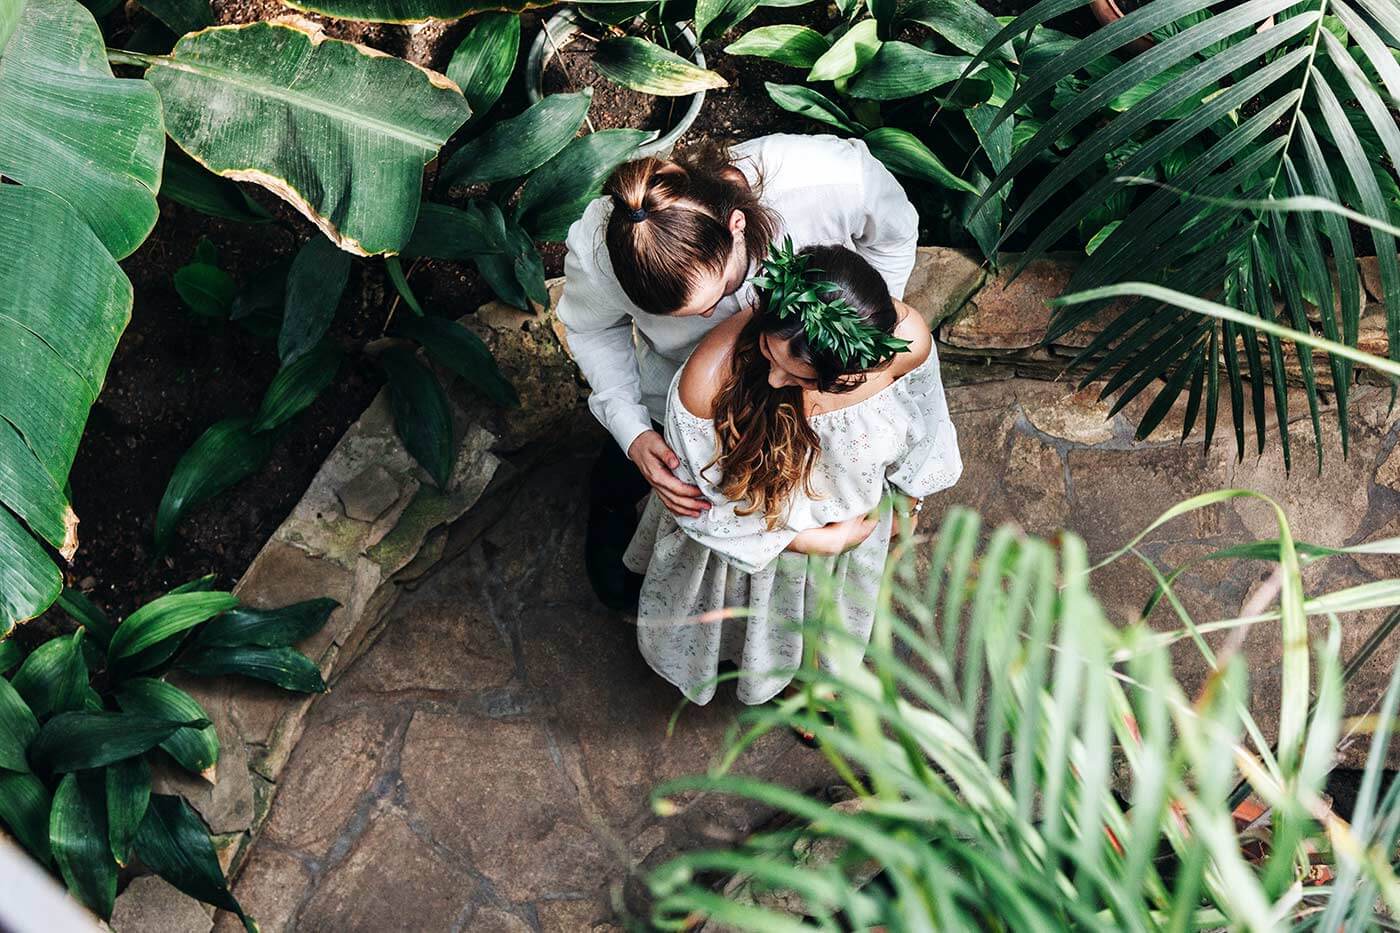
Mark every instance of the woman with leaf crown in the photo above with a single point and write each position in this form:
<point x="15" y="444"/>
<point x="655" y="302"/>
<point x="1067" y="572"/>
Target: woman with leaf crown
<point x="800" y="421"/>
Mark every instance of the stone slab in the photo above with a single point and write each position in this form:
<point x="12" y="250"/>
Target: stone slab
<point x="150" y="904"/>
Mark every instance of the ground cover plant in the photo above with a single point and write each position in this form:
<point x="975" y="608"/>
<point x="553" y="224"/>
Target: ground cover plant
<point x="84" y="716"/>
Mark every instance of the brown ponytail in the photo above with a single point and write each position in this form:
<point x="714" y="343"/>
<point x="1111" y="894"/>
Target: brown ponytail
<point x="670" y="224"/>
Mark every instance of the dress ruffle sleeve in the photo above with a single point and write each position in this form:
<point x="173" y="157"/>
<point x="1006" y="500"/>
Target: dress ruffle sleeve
<point x="930" y="461"/>
<point x="742" y="541"/>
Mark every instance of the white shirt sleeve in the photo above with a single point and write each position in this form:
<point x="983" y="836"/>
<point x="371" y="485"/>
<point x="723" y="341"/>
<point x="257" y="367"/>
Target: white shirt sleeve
<point x="598" y="326"/>
<point x="745" y="542"/>
<point x="885" y="228"/>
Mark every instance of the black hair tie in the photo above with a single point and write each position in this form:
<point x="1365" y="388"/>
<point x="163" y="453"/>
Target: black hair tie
<point x="637" y="215"/>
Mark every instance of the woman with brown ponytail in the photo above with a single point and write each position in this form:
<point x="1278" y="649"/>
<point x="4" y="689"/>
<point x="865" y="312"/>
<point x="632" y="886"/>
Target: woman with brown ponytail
<point x="800" y="422"/>
<point x="662" y="259"/>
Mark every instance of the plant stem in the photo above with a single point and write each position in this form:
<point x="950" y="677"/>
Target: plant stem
<point x="135" y="59"/>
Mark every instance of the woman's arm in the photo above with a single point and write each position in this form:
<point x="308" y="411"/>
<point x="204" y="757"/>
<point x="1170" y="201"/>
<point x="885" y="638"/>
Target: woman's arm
<point x="834" y="538"/>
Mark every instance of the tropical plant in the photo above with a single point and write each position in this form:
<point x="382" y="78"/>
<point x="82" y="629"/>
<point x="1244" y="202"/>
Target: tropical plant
<point x="79" y="191"/>
<point x="85" y="716"/>
<point x="1018" y="761"/>
<point x="1247" y="109"/>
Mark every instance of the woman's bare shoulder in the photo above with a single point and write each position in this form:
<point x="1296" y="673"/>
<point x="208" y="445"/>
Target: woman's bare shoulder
<point x="911" y="327"/>
<point x="708" y="367"/>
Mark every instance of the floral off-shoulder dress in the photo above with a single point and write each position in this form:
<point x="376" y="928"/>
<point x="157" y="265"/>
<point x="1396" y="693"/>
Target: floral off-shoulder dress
<point x="899" y="438"/>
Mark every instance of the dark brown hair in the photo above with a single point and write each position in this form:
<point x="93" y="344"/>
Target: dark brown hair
<point x="766" y="444"/>
<point x="670" y="224"/>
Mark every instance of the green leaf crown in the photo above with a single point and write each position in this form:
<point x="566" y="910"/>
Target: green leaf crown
<point x="830" y="322"/>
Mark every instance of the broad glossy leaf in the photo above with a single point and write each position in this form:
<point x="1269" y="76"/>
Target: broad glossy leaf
<point x="849" y="54"/>
<point x="174" y="843"/>
<point x="11" y="654"/>
<point x="484" y="60"/>
<point x="516" y="272"/>
<point x="54" y="678"/>
<point x="714" y="17"/>
<point x="166" y="617"/>
<point x="128" y="794"/>
<point x="445" y="232"/>
<point x="454" y="346"/>
<point x="644" y="66"/>
<point x="18" y="727"/>
<point x="799" y="46"/>
<point x="296" y="385"/>
<point x="421" y="413"/>
<point x="83" y="740"/>
<point x="557" y="193"/>
<point x="904" y="154"/>
<point x="78" y="838"/>
<point x="800" y="99"/>
<point x="64" y="303"/>
<point x="206" y="290"/>
<point x="339" y="133"/>
<point x="195" y="750"/>
<point x="315" y="284"/>
<point x="25" y="804"/>
<point x="900" y="70"/>
<point x="67" y="125"/>
<point x="224" y="454"/>
<point x="94" y="621"/>
<point x="966" y="25"/>
<point x="409" y="11"/>
<point x="267" y="628"/>
<point x="181" y="16"/>
<point x="285" y="667"/>
<point x="189" y="183"/>
<point x="515" y="147"/>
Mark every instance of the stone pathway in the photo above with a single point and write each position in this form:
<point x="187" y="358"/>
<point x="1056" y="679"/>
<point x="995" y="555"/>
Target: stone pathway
<point x="486" y="765"/>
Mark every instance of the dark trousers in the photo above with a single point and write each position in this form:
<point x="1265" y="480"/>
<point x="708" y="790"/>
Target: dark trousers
<point x="616" y="489"/>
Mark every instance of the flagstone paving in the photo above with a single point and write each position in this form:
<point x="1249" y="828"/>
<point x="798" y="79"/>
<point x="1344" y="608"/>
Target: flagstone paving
<point x="486" y="764"/>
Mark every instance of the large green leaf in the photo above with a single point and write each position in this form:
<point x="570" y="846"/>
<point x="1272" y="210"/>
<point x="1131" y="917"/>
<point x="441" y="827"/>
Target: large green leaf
<point x="163" y="618"/>
<point x="904" y="154"/>
<point x="54" y="677"/>
<point x="849" y="54"/>
<point x="315" y="284"/>
<point x="445" y="232"/>
<point x="900" y="70"/>
<point x="966" y="25"/>
<point x="181" y="16"/>
<point x="296" y="385"/>
<point x="452" y="345"/>
<point x="285" y="667"/>
<point x="78" y="838"/>
<point x="557" y="193"/>
<point x="514" y="147"/>
<point x="799" y="46"/>
<point x="267" y="628"/>
<point x="174" y="843"/>
<point x="644" y="66"/>
<point x="513" y="269"/>
<point x="128" y="794"/>
<point x="714" y="17"/>
<point x="224" y="454"/>
<point x="812" y="104"/>
<point x="64" y="303"/>
<point x="421" y="413"/>
<point x="67" y="125"/>
<point x="11" y="654"/>
<point x="484" y="60"/>
<point x="337" y="131"/>
<point x="18" y="727"/>
<point x="410" y="11"/>
<point x="195" y="750"/>
<point x="91" y="739"/>
<point x="24" y="809"/>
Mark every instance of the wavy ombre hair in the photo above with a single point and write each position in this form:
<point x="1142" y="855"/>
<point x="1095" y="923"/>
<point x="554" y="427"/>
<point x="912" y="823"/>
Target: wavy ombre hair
<point x="670" y="224"/>
<point x="766" y="444"/>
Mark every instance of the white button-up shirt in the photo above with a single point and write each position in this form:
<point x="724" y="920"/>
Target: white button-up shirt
<point x="824" y="190"/>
